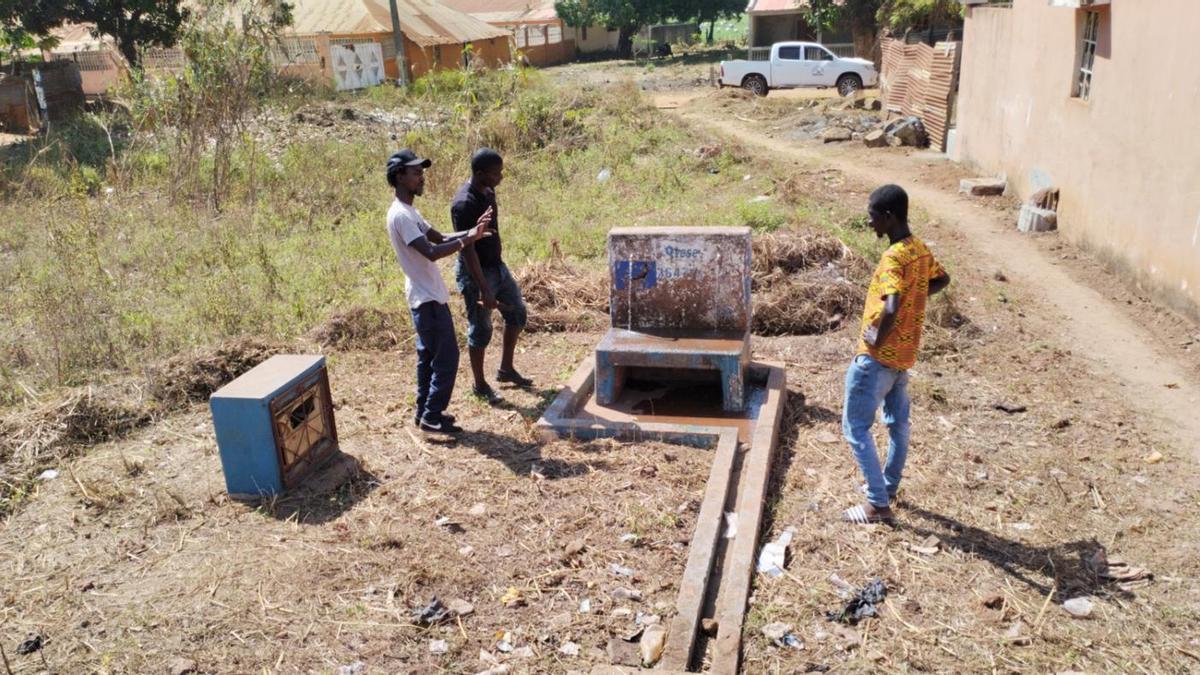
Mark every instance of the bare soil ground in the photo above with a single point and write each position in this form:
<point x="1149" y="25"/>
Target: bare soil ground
<point x="133" y="560"/>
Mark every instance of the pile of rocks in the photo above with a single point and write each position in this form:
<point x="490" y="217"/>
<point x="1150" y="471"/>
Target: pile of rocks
<point x="902" y="131"/>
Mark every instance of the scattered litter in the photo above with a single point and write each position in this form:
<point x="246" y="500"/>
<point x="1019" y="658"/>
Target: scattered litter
<point x="622" y="653"/>
<point x="1154" y="457"/>
<point x="48" y="474"/>
<point x="569" y="649"/>
<point x="647" y="619"/>
<point x="479" y="509"/>
<point x="501" y="669"/>
<point x="432" y="614"/>
<point x="356" y="668"/>
<point x="1016" y="634"/>
<point x="450" y="526"/>
<point x="523" y="653"/>
<point x="537" y="471"/>
<point x="928" y="546"/>
<point x="585" y="606"/>
<point x="626" y="594"/>
<point x="622" y="612"/>
<point x="438" y="647"/>
<point x="1127" y="576"/>
<point x="604" y="175"/>
<point x="466" y="551"/>
<point x="1010" y="408"/>
<point x="862" y="604"/>
<point x="745" y="178"/>
<point x="504" y="552"/>
<point x="1080" y="608"/>
<point x="512" y="598"/>
<point x="730" y="525"/>
<point x="461" y="607"/>
<point x="504" y="644"/>
<point x="845" y="588"/>
<point x="630" y="538"/>
<point x="621" y="570"/>
<point x="773" y="557"/>
<point x="760" y="199"/>
<point x="780" y="634"/>
<point x="653" y="641"/>
<point x="1022" y="526"/>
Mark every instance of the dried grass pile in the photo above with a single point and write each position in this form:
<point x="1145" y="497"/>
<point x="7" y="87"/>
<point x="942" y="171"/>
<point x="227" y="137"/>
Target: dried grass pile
<point x="362" y="328"/>
<point x="39" y="436"/>
<point x="193" y="377"/>
<point x="804" y="284"/>
<point x="564" y="296"/>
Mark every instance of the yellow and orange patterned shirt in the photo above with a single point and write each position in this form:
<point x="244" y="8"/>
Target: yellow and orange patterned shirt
<point x="905" y="268"/>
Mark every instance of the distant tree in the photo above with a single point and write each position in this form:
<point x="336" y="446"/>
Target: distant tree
<point x="132" y="23"/>
<point x="707" y="11"/>
<point x="914" y="15"/>
<point x="626" y="16"/>
<point x="860" y="14"/>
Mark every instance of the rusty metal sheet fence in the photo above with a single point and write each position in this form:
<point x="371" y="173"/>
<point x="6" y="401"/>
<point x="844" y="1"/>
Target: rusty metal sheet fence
<point x="921" y="80"/>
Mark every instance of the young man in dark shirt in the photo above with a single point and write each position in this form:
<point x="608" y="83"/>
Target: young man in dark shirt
<point x="484" y="279"/>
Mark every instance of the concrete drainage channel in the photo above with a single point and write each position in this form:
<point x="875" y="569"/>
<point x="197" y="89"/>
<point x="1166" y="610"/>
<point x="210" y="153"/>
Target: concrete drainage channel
<point x="679" y="296"/>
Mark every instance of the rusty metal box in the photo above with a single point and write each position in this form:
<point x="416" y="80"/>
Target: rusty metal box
<point x="274" y="424"/>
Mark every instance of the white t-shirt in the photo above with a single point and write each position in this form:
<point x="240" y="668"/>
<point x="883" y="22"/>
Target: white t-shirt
<point x="423" y="282"/>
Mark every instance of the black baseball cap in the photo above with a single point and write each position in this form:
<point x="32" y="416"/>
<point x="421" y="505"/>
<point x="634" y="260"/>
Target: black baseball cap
<point x="404" y="158"/>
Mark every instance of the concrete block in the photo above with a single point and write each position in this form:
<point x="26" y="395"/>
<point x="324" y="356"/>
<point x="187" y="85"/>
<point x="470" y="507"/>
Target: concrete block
<point x="691" y="279"/>
<point x="875" y="139"/>
<point x="982" y="187"/>
<point x="1034" y="219"/>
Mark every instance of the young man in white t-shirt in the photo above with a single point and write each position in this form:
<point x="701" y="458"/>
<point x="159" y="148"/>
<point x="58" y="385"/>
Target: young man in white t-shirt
<point x="417" y="246"/>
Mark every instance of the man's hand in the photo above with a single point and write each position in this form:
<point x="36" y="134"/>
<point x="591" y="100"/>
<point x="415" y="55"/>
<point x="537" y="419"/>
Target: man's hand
<point x="485" y="219"/>
<point x="488" y="299"/>
<point x="478" y="232"/>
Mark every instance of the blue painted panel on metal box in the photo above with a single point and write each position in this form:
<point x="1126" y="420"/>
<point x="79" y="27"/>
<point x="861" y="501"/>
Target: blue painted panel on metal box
<point x="241" y="413"/>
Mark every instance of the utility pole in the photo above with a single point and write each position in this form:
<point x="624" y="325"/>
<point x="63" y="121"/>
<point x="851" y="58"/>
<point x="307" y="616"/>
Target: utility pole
<point x="398" y="39"/>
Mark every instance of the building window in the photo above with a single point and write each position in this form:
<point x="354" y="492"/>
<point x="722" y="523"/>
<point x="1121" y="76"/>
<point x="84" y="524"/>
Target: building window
<point x="585" y="33"/>
<point x="1087" y="55"/>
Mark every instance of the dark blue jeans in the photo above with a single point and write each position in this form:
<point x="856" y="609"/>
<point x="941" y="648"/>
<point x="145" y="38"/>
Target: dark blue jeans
<point x="437" y="358"/>
<point x="506" y="291"/>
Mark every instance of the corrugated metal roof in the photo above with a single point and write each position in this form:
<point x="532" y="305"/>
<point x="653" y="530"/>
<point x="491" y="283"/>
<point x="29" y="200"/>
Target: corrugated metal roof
<point x="506" y="11"/>
<point x="425" y="23"/>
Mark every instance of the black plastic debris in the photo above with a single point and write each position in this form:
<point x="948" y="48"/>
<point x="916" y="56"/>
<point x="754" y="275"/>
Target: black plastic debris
<point x="31" y="645"/>
<point x="862" y="604"/>
<point x="432" y="614"/>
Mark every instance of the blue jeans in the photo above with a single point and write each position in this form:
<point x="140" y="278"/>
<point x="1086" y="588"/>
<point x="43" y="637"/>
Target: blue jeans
<point x="504" y="288"/>
<point x="869" y="383"/>
<point x="437" y="358"/>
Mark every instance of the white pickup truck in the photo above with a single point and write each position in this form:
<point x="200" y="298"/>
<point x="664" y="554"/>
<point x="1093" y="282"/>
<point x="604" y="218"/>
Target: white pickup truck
<point x="799" y="64"/>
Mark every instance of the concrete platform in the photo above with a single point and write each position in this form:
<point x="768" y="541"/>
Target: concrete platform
<point x="716" y="580"/>
<point x="727" y="353"/>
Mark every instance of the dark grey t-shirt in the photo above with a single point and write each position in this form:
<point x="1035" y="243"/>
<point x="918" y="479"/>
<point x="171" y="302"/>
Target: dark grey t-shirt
<point x="469" y="203"/>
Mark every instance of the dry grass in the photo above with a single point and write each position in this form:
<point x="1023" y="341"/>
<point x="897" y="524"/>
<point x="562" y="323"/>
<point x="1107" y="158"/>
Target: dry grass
<point x="44" y="435"/>
<point x="159" y="565"/>
<point x="362" y="328"/>
<point x="193" y="377"/>
<point x="804" y="283"/>
<point x="563" y="295"/>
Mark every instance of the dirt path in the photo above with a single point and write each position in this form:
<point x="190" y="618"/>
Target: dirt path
<point x="1089" y="324"/>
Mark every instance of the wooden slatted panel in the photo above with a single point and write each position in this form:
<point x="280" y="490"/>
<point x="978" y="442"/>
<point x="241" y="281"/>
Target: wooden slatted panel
<point x="920" y="80"/>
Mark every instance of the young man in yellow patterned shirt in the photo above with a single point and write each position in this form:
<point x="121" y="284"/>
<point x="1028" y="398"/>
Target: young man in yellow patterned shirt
<point x="890" y="335"/>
